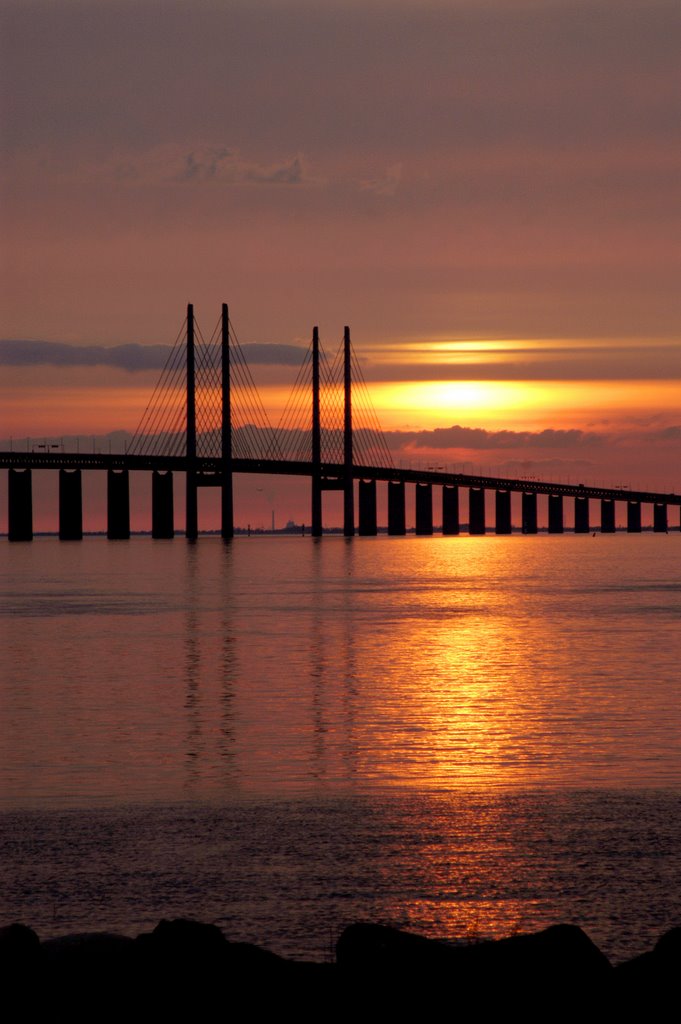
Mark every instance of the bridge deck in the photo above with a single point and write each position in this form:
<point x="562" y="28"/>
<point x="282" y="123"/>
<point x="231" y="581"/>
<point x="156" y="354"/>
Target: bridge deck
<point x="101" y="461"/>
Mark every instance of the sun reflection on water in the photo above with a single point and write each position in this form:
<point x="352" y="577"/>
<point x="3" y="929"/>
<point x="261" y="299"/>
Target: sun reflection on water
<point x="467" y="737"/>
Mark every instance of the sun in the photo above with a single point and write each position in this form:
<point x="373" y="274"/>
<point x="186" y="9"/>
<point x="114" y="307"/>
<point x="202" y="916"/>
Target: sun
<point x="441" y="403"/>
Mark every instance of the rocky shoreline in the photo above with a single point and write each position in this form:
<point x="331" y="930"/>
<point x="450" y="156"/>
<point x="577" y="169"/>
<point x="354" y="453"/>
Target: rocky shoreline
<point x="187" y="968"/>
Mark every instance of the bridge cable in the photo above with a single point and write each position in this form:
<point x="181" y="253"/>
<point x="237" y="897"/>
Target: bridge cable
<point x="262" y="423"/>
<point x="295" y="439"/>
<point x="143" y="439"/>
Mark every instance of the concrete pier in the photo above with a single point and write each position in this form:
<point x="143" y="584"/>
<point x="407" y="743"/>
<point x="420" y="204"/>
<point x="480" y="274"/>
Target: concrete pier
<point x="502" y="507"/>
<point x="581" y="515"/>
<point x="529" y="512"/>
<point x="450" y="510"/>
<point x="424" y="509"/>
<point x="607" y="515"/>
<point x="368" y="526"/>
<point x="118" y="504"/>
<point x="396" y="509"/>
<point x="162" y="507"/>
<point x="191" y="506"/>
<point x="660" y="518"/>
<point x="476" y="510"/>
<point x="70" y="505"/>
<point x="555" y="513"/>
<point x="633" y="517"/>
<point x="20" y="505"/>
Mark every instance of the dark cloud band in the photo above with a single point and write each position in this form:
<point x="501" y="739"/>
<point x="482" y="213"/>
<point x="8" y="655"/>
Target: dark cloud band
<point x="127" y="357"/>
<point x="446" y="438"/>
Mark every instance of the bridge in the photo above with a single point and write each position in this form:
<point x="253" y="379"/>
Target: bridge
<point x="206" y="421"/>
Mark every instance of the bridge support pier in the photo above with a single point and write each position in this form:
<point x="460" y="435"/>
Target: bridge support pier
<point x="502" y="508"/>
<point x="607" y="515"/>
<point x="20" y="504"/>
<point x="397" y="526"/>
<point x="529" y="512"/>
<point x="581" y="515"/>
<point x="450" y="510"/>
<point x="367" y="508"/>
<point x="191" y="507"/>
<point x="424" y="510"/>
<point x="118" y="505"/>
<point x="348" y="508"/>
<point x="476" y="510"/>
<point x="316" y="526"/>
<point x="660" y="518"/>
<point x="555" y="513"/>
<point x="227" y="505"/>
<point x="70" y="505"/>
<point x="633" y="517"/>
<point x="162" y="511"/>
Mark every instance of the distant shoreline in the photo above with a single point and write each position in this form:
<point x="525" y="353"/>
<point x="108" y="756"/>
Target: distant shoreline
<point x="243" y="531"/>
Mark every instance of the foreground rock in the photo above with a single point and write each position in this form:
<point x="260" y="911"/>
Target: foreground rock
<point x="650" y="983"/>
<point x="397" y="968"/>
<point x="189" y="969"/>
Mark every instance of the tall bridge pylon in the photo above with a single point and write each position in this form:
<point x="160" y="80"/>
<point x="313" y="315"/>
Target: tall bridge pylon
<point x="206" y="405"/>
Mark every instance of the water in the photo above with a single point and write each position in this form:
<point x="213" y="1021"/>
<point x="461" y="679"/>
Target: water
<point x="463" y="736"/>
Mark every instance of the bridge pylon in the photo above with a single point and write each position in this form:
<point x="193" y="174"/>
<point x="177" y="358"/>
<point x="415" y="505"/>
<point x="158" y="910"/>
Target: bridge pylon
<point x="316" y="440"/>
<point x="194" y="477"/>
<point x="348" y="487"/>
<point x="191" y="504"/>
<point x="227" y="513"/>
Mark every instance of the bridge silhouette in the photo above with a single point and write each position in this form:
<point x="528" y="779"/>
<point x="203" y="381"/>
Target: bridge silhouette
<point x="205" y="420"/>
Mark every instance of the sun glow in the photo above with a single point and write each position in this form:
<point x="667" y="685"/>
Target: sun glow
<point x="427" y="403"/>
<point x="532" y="404"/>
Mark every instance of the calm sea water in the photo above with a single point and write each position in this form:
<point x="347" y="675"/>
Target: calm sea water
<point x="464" y="736"/>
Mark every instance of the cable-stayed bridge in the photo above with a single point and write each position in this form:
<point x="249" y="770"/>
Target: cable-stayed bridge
<point x="205" y="419"/>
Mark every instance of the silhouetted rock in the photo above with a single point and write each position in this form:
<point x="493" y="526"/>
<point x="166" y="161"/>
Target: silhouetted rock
<point x="185" y="939"/>
<point x="189" y="965"/>
<point x="375" y="947"/>
<point x="668" y="950"/>
<point x="522" y="969"/>
<point x="189" y="969"/>
<point x="652" y="979"/>
<point x="88" y="975"/>
<point x="88" y="950"/>
<point x="19" y="946"/>
<point x="559" y="950"/>
<point x="21" y="967"/>
<point x="190" y="946"/>
<point x="561" y="953"/>
<point x="22" y="973"/>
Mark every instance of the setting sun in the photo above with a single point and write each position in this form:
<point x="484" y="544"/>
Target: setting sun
<point x="521" y="404"/>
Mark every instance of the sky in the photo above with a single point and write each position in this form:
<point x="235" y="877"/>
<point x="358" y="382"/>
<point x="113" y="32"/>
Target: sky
<point x="486" y="191"/>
